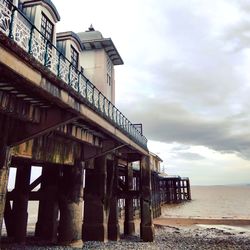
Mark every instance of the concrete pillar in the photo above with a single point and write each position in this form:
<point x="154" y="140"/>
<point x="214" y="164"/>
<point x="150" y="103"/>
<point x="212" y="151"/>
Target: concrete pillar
<point x="47" y="223"/>
<point x="129" y="225"/>
<point x="113" y="220"/>
<point x="95" y="214"/>
<point x="71" y="205"/>
<point x="20" y="203"/>
<point x="146" y="226"/>
<point x="4" y="175"/>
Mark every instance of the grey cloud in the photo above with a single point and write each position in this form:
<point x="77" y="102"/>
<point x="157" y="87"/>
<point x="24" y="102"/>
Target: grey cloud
<point x="169" y="122"/>
<point x="191" y="91"/>
<point x="189" y="156"/>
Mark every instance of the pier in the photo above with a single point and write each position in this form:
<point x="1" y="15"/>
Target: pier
<point x="53" y="115"/>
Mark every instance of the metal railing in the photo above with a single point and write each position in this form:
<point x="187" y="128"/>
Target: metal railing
<point x="15" y="25"/>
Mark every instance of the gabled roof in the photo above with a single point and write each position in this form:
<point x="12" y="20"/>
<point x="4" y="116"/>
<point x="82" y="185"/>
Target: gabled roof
<point x="46" y="3"/>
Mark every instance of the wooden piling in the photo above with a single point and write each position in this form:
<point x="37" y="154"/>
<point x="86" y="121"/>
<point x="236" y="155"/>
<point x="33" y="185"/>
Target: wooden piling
<point x="47" y="223"/>
<point x="113" y="218"/>
<point x="146" y="226"/>
<point x="95" y="214"/>
<point x="20" y="203"/>
<point x="129" y="225"/>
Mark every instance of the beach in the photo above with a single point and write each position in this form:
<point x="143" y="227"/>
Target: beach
<point x="216" y="218"/>
<point x="191" y="236"/>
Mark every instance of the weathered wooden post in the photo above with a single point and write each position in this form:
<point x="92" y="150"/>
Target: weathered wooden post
<point x="179" y="189"/>
<point x="71" y="206"/>
<point x="188" y="190"/>
<point x="113" y="220"/>
<point x="95" y="214"/>
<point x="129" y="225"/>
<point x="20" y="203"/>
<point x="47" y="223"/>
<point x="146" y="226"/>
<point x="4" y="167"/>
<point x="158" y="213"/>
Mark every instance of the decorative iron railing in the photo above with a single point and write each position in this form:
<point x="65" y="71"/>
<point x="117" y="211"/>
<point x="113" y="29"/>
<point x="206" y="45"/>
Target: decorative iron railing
<point x="15" y="25"/>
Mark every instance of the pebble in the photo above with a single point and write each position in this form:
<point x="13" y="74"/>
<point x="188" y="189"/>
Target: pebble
<point x="165" y="238"/>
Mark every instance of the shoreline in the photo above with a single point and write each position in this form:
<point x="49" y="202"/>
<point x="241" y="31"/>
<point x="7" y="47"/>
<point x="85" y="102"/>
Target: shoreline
<point x="183" y="221"/>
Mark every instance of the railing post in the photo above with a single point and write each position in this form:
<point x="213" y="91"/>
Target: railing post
<point x="59" y="64"/>
<point x="103" y="105"/>
<point x="78" y="82"/>
<point x="46" y="54"/>
<point x="86" y="90"/>
<point x="31" y="38"/>
<point x="12" y="23"/>
<point x="93" y="99"/>
<point x="99" y="101"/>
<point x="113" y="112"/>
<point x="108" y="109"/>
<point x="69" y="80"/>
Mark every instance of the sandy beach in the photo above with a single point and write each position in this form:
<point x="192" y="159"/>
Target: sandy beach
<point x="175" y="233"/>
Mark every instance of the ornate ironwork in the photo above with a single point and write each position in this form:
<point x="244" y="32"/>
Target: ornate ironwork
<point x="15" y="25"/>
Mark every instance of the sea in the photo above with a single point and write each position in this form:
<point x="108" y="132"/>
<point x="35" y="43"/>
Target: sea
<point x="209" y="202"/>
<point x="214" y="202"/>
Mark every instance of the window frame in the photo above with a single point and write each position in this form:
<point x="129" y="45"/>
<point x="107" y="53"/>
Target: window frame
<point x="47" y="30"/>
<point x="74" y="57"/>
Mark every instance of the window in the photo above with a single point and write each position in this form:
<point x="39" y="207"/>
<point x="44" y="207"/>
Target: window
<point x="47" y="28"/>
<point x="109" y="71"/>
<point x="74" y="57"/>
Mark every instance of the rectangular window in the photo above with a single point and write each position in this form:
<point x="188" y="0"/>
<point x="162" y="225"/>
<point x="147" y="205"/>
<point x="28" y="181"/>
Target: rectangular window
<point x="74" y="57"/>
<point x="108" y="79"/>
<point x="109" y="71"/>
<point x="47" y="28"/>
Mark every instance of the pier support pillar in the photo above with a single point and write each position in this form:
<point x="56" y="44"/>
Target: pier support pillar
<point x="95" y="214"/>
<point x="71" y="205"/>
<point x="179" y="190"/>
<point x="129" y="225"/>
<point x="188" y="190"/>
<point x="4" y="175"/>
<point x="4" y="165"/>
<point x="47" y="223"/>
<point x="146" y="226"/>
<point x="20" y="203"/>
<point x="113" y="219"/>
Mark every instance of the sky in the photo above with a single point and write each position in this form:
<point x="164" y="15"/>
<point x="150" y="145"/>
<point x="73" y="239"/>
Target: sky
<point x="185" y="77"/>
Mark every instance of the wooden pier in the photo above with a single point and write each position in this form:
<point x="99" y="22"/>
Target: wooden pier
<point x="54" y="117"/>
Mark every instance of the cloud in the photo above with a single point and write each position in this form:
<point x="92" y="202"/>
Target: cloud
<point x="191" y="89"/>
<point x="189" y="156"/>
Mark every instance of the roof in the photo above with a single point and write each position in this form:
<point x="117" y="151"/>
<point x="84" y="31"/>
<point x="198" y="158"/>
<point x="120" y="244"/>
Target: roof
<point x="46" y="3"/>
<point x="92" y="39"/>
<point x="69" y="35"/>
<point x="156" y="156"/>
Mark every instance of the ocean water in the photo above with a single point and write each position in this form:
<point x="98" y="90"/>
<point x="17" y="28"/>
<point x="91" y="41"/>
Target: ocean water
<point x="213" y="202"/>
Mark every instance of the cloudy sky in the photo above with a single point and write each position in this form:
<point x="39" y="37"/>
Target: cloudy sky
<point x="186" y="78"/>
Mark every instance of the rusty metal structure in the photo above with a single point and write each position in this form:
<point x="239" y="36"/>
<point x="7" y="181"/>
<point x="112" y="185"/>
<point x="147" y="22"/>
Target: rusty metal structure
<point x="52" y="116"/>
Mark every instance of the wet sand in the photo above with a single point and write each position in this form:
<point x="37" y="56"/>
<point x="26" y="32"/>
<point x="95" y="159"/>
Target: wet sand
<point x="162" y="221"/>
